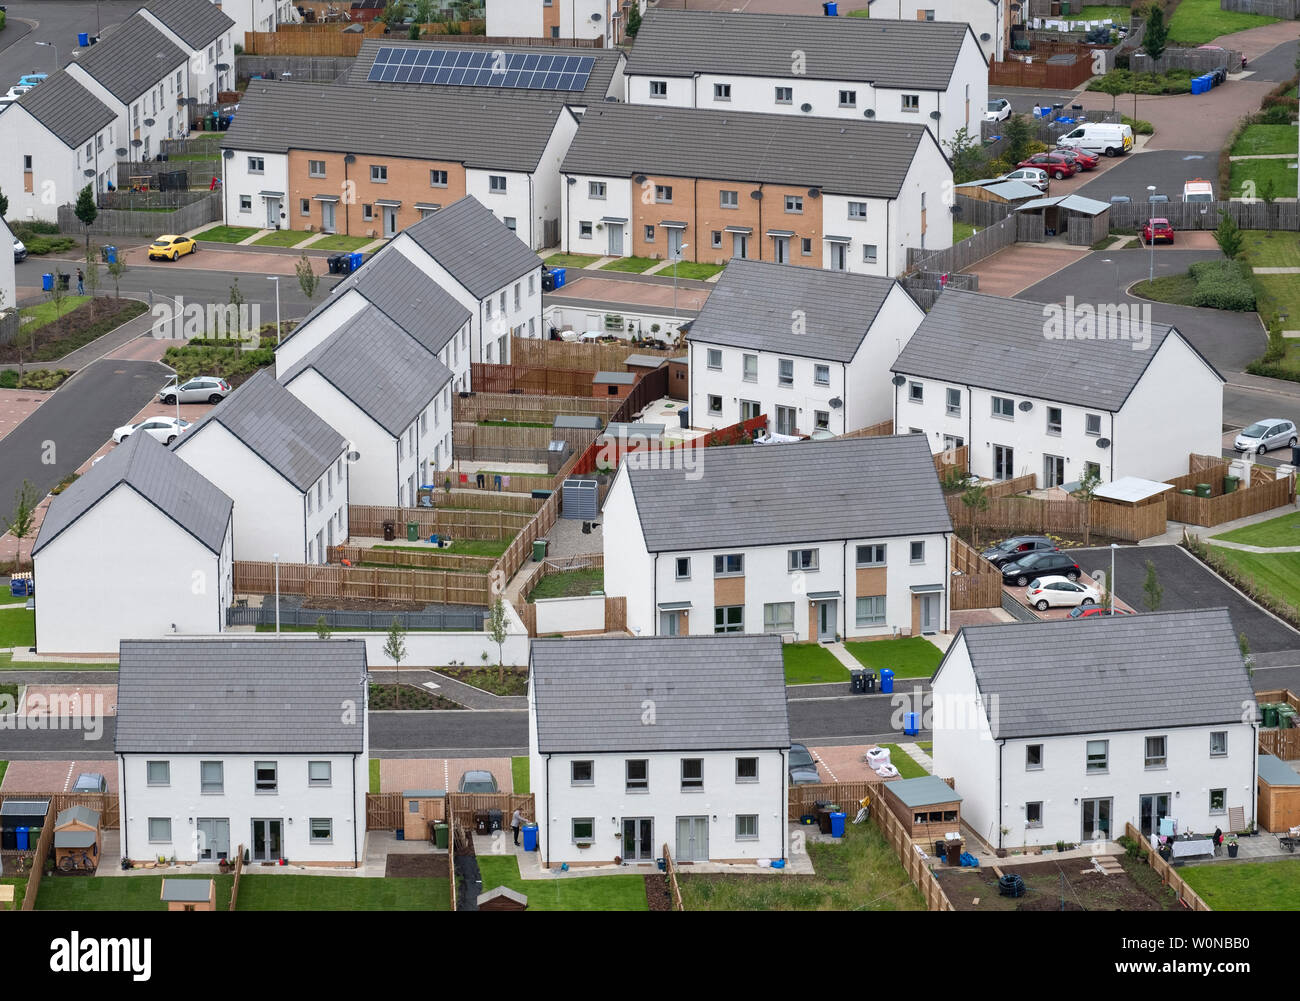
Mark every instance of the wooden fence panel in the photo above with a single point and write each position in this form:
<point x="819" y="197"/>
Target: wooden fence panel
<point x="531" y="380"/>
<point x="303" y="43"/>
<point x="671" y="871"/>
<point x="384" y="811"/>
<point x="871" y="431"/>
<point x="367" y="521"/>
<point x="1284" y="744"/>
<point x="974" y="583"/>
<point x="43" y="846"/>
<point x="1168" y="876"/>
<point x="432" y="560"/>
<point x="485" y="406"/>
<point x="960" y="256"/>
<point x="1265" y="493"/>
<point x="1205" y="215"/>
<point x="603" y="356"/>
<point x="368" y="583"/>
<point x="461" y="807"/>
<point x="105" y="804"/>
<point x="615" y="614"/>
<point x="1288" y="10"/>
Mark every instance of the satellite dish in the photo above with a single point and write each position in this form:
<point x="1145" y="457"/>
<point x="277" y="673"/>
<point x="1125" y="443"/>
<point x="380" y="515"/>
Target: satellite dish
<point x="120" y="151"/>
<point x="805" y="108"/>
<point x="354" y="456"/>
<point x="1103" y="443"/>
<point x="985" y="36"/>
<point x="229" y="154"/>
<point x="572" y="180"/>
<point x="639" y="178"/>
<point x="836" y="403"/>
<point x="898" y="380"/>
<point x="1026" y="405"/>
<point x="223" y="66"/>
<point x="137" y="142"/>
<point x="756" y="195"/>
<point x="595" y="17"/>
<point x="148" y="122"/>
<point x="350" y="158"/>
<point x="869" y="113"/>
<point x="955" y="209"/>
<point x="934" y="115"/>
<point x="89" y="172"/>
<point x="814" y="193"/>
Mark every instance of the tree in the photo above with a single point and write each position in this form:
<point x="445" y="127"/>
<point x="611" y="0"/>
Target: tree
<point x="1228" y="236"/>
<point x="308" y="280"/>
<point x="20" y="521"/>
<point x="57" y="294"/>
<point x="413" y="32"/>
<point x="1268" y="193"/>
<point x="633" y="20"/>
<point x="1156" y="32"/>
<point x="92" y="274"/>
<point x="1018" y="134"/>
<point x="1155" y="594"/>
<point x="1247" y="657"/>
<point x="966" y="156"/>
<point x="116" y="269"/>
<point x="322" y="628"/>
<point x="86" y="212"/>
<point x="1086" y="492"/>
<point x="975" y="498"/>
<point x="496" y="629"/>
<point x="395" y="649"/>
<point x="236" y="296"/>
<point x="1112" y="84"/>
<point x="1105" y="600"/>
<point x="4" y="201"/>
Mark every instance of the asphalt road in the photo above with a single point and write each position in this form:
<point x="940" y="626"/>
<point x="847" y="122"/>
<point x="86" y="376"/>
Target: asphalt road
<point x="1275" y="65"/>
<point x="58" y="21"/>
<point x="1167" y="169"/>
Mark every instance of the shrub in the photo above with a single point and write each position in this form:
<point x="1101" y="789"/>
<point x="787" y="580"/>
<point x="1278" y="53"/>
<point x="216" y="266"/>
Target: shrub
<point x="38" y="245"/>
<point x="34" y="227"/>
<point x="43" y="379"/>
<point x="8" y="379"/>
<point x="1223" y="285"/>
<point x="1140" y="126"/>
<point x="64" y="483"/>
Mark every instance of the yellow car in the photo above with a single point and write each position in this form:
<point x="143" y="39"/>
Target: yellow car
<point x="171" y="247"/>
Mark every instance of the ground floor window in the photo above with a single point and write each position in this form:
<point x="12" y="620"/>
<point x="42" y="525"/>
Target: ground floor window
<point x="871" y="611"/>
<point x="778" y="617"/>
<point x="729" y="619"/>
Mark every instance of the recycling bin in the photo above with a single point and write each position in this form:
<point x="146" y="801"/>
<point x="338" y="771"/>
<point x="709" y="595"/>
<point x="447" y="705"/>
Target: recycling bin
<point x="494" y="820"/>
<point x="412" y="531"/>
<point x="539" y="550"/>
<point x="886" y="680"/>
<point x="109" y="254"/>
<point x="558" y="275"/>
<point x="83" y="39"/>
<point x="684" y="415"/>
<point x="63" y="283"/>
<point x="831" y="9"/>
<point x="335" y="262"/>
<point x="390" y="531"/>
<point x="871" y="681"/>
<point x="530" y="837"/>
<point x="20" y="838"/>
<point x="47" y="282"/>
<point x="910" y="724"/>
<point x="1230" y="484"/>
<point x="837" y="825"/>
<point x="354" y="260"/>
<point x="1203" y="490"/>
<point x="482" y="822"/>
<point x="953" y="848"/>
<point x="440" y="835"/>
<point x="1270" y="715"/>
<point x="858" y="679"/>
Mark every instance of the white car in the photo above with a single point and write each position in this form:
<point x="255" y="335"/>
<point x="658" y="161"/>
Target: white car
<point x="998" y="110"/>
<point x="1060" y="592"/>
<point x="1035" y="177"/>
<point x="163" y="429"/>
<point x="1272" y="432"/>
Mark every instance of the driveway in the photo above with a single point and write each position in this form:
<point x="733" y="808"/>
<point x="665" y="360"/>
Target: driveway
<point x="397" y="774"/>
<point x="1018" y="593"/>
<point x="55" y="776"/>
<point x="240" y="261"/>
<point x="631" y="293"/>
<point x="1270" y="49"/>
<point x="1023" y="265"/>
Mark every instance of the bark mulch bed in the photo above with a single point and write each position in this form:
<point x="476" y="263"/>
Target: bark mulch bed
<point x="421" y="866"/>
<point x="1084" y="888"/>
<point x="385" y="697"/>
<point x="360" y="604"/>
<point x="657" y="894"/>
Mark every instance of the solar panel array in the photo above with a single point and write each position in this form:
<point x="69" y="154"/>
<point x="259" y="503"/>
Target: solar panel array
<point x="460" y="68"/>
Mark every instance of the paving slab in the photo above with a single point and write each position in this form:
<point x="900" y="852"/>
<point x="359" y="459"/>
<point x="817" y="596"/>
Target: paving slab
<point x="397" y="774"/>
<point x="1021" y="265"/>
<point x="16" y="405"/>
<point x="39" y="699"/>
<point x="54" y="776"/>
<point x="590" y="289"/>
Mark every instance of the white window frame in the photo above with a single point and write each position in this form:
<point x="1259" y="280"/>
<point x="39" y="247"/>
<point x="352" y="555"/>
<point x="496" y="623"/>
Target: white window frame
<point x="155" y="839"/>
<point x="774" y="617"/>
<point x="723" y="560"/>
<point x="166" y="780"/>
<point x="1159" y="760"/>
<point x="785" y="371"/>
<point x="596" y="190"/>
<point x="713" y="358"/>
<point x="871" y="614"/>
<point x="1034" y="824"/>
<point x="785" y="95"/>
<point x="316" y="781"/>
<point x="722" y="92"/>
<point x="1029" y="765"/>
<point x="1216" y="811"/>
<point x="1223" y="742"/>
<point x="1091" y="422"/>
<point x="206" y="785"/>
<point x="728" y="199"/>
<point x="912" y="556"/>
<point x="821" y="375"/>
<point x="682" y="563"/>
<point x="953" y="409"/>
<point x="1101" y="767"/>
<point x="916" y="392"/>
<point x="1010" y="408"/>
<point x="747" y="827"/>
<point x="497" y="184"/>
<point x="807" y="560"/>
<point x="378" y="173"/>
<point x="659" y="89"/>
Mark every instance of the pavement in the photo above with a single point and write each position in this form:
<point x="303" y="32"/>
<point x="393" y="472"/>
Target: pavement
<point x="1010" y="271"/>
<point x="588" y="289"/>
<point x="397" y="774"/>
<point x="16" y="405"/>
<point x="55" y="775"/>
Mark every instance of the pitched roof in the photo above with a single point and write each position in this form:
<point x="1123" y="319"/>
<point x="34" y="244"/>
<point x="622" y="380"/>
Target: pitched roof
<point x="751" y="307"/>
<point x="476" y="247"/>
<point x="1123" y="672"/>
<point x="990" y="342"/>
<point x="925" y="790"/>
<point x="410" y="298"/>
<point x="1277" y="772"/>
<point x="277" y="426"/>
<point x="864" y="488"/>
<point x="1075" y="203"/>
<point x="165" y="481"/>
<point x="866" y="158"/>
<point x="126" y="60"/>
<point x="917" y="54"/>
<point x="197" y="22"/>
<point x="239" y="696"/>
<point x="379" y="367"/>
<point x="709" y="693"/>
<point x="81" y="814"/>
<point x="65" y="107"/>
<point x="502" y="131"/>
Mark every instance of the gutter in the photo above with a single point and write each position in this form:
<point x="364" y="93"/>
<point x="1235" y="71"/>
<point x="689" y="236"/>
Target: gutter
<point x="654" y="595"/>
<point x="355" y="863"/>
<point x="126" y="828"/>
<point x="785" y="803"/>
<point x="844" y="567"/>
<point x="1002" y="744"/>
<point x="548" y="811"/>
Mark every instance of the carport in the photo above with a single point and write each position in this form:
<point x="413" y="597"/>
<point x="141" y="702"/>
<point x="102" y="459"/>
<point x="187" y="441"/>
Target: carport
<point x="1084" y="221"/>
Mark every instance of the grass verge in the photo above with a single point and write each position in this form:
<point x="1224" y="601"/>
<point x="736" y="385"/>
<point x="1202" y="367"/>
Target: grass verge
<point x="78" y="328"/>
<point x="693" y="269"/>
<point x="490" y="679"/>
<point x="374" y="776"/>
<point x="1279" y="250"/>
<point x="908" y="767"/>
<point x="1282" y="174"/>
<point x="909" y="657"/>
<point x="226" y="234"/>
<point x="283" y="238"/>
<point x="631" y="265"/>
<point x="340" y="244"/>
<point x="1260" y="140"/>
<point x="811" y="664"/>
<point x="1197" y="22"/>
<point x="571" y="260"/>
<point x="385" y="697"/>
<point x="518" y="776"/>
<point x="1283" y="531"/>
<point x="591" y="893"/>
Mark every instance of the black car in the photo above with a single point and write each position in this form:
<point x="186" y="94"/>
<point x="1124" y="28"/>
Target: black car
<point x="1021" y="572"/>
<point x="1017" y="548"/>
<point x="802" y="766"/>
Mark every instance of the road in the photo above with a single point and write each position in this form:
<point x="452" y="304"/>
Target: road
<point x="57" y="21"/>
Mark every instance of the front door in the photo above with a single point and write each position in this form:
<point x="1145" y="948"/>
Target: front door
<point x="213" y="839"/>
<point x="826" y="618"/>
<point x="1096" y="819"/>
<point x="1003" y="462"/>
<point x="692" y="839"/>
<point x="638" y="839"/>
<point x="670" y="623"/>
<point x="327" y="217"/>
<point x="266" y="840"/>
<point x="1053" y="470"/>
<point x="781" y="249"/>
<point x="929" y="613"/>
<point x="1151" y="808"/>
<point x="390" y="221"/>
<point x="273" y="213"/>
<point x="739" y="245"/>
<point x="674" y="244"/>
<point x="785" y="420"/>
<point x="839" y="257"/>
<point x="615" y="231"/>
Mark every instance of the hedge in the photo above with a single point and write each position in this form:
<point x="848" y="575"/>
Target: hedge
<point x="1223" y="285"/>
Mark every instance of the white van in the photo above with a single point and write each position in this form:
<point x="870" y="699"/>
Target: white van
<point x="1198" y="190"/>
<point x="1099" y="137"/>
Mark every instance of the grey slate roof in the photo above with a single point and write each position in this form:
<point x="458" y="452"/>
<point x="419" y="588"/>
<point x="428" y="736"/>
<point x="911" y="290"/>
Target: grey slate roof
<point x="1277" y="772"/>
<point x="644" y="361"/>
<point x="502" y="132"/>
<point x="277" y="426"/>
<point x="479" y="250"/>
<point x="865" y="158"/>
<point x="864" y="488"/>
<point x="751" y="304"/>
<point x="239" y="696"/>
<point x="186" y="891"/>
<point x="616" y="378"/>
<point x="578" y="422"/>
<point x="126" y="59"/>
<point x="379" y="367"/>
<point x="1127" y="672"/>
<point x="165" y="481"/>
<point x="926" y="790"/>
<point x="197" y="22"/>
<point x="67" y="109"/>
<point x="408" y="296"/>
<point x="994" y="343"/>
<point x="81" y="814"/>
<point x="709" y="692"/>
<point x="917" y="54"/>
<point x="24" y="807"/>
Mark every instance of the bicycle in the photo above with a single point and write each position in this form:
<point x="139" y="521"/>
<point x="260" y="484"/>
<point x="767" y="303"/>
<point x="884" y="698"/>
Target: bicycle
<point x="70" y="863"/>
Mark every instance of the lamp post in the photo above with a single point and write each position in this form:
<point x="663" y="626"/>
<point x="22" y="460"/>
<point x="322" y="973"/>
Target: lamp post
<point x="276" y="279"/>
<point x="1110" y="584"/>
<point x="56" y="53"/>
<point x="276" y="558"/>
<point x="677" y="259"/>
<point x="178" y="383"/>
<point x="1151" y="237"/>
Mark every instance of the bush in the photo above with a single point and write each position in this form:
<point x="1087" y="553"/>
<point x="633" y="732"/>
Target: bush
<point x="34" y="227"/>
<point x="39" y="245"/>
<point x="43" y="378"/>
<point x="1223" y="285"/>
<point x="1126" y="82"/>
<point x="8" y="379"/>
<point x="1140" y="126"/>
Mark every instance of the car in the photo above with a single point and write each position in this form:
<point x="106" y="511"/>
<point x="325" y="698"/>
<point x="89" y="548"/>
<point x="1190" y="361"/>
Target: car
<point x="1271" y="432"/>
<point x="20" y="250"/>
<point x="1158" y="197"/>
<point x="170" y="247"/>
<point x="1095" y="612"/>
<point x="1157" y="231"/>
<point x="32" y="79"/>
<point x="1087" y="161"/>
<point x="1120" y="199"/>
<point x="15" y="92"/>
<point x="1054" y="163"/>
<point x="1021" y="572"/>
<point x="202" y="389"/>
<point x="93" y="782"/>
<point x="1198" y="189"/>
<point x="998" y="110"/>
<point x="478" y="781"/>
<point x="1035" y="177"/>
<point x="1057" y="592"/>
<point x="1100" y="137"/>
<point x="802" y="766"/>
<point x="1018" y="547"/>
<point x="163" y="429"/>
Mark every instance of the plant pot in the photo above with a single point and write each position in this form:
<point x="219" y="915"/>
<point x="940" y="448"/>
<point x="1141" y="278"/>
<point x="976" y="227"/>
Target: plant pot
<point x="1001" y="853"/>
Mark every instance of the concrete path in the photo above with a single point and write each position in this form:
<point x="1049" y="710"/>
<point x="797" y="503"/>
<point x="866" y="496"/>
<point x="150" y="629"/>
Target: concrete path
<point x="254" y="238"/>
<point x="841" y="653"/>
<point x="1276" y="271"/>
<point x="1263" y="156"/>
<point x="310" y="240"/>
<point x="1253" y="549"/>
<point x="914" y="752"/>
<point x="1174" y="531"/>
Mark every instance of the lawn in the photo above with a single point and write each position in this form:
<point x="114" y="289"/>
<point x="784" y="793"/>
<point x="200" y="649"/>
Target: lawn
<point x="861" y="873"/>
<point x="1175" y="289"/>
<point x="911" y="657"/>
<point x="571" y="260"/>
<point x="1257" y="140"/>
<point x="1281" y="250"/>
<point x="38" y="316"/>
<point x="811" y="664"/>
<point x="12" y="599"/>
<point x="7" y="664"/>
<point x="864" y="12"/>
<point x="1277" y="573"/>
<point x="633" y="265"/>
<point x="1281" y="172"/>
<point x="693" y="269"/>
<point x="227" y="234"/>
<point x="490" y="679"/>
<point x="963" y="231"/>
<point x="1280" y="294"/>
<point x="466" y="547"/>
<point x="12" y="692"/>
<point x="518" y="775"/>
<point x="1196" y="22"/>
<point x="1247" y="886"/>
<point x="4" y="765"/>
<point x="256" y="893"/>
<point x="17" y="628"/>
<point x="119" y="893"/>
<point x="283" y="238"/>
<point x="1283" y="531"/>
<point x="569" y="584"/>
<point x="589" y="893"/>
<point x="1118" y="14"/>
<point x="339" y="243"/>
<point x="374" y="776"/>
<point x="19" y="883"/>
<point x="907" y="765"/>
<point x="78" y="328"/>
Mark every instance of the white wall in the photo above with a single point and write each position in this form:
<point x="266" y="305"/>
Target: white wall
<point x="238" y="179"/>
<point x="964" y="748"/>
<point x="928" y="184"/>
<point x="548" y="188"/>
<point x="514" y="203"/>
<point x="580" y="207"/>
<point x="430" y="649"/>
<point x="57" y="170"/>
<point x="204" y="80"/>
<point x="869" y="396"/>
<point x="514" y="18"/>
<point x="158" y="102"/>
<point x="871" y="231"/>
<point x="570" y="615"/>
<point x="628" y="565"/>
<point x="580" y="318"/>
<point x="257" y="15"/>
<point x="123" y="571"/>
<point x="8" y="279"/>
<point x="309" y="336"/>
<point x="681" y="90"/>
<point x="983" y="16"/>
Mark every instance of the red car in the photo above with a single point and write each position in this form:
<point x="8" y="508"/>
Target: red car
<point x="1086" y="160"/>
<point x="1094" y="611"/>
<point x="1156" y="230"/>
<point x="1059" y="166"/>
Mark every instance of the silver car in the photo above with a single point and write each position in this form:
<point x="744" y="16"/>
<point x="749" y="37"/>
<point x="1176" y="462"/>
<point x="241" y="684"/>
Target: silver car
<point x="1035" y="177"/>
<point x="202" y="389"/>
<point x="1272" y="432"/>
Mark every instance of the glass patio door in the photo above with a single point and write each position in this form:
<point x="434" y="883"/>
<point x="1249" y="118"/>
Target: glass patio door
<point x="638" y="839"/>
<point x="692" y="839"/>
<point x="1151" y="808"/>
<point x="266" y="840"/>
<point x="1096" y="819"/>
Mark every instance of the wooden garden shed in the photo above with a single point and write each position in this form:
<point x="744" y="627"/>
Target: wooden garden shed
<point x="1278" y="801"/>
<point x="502" y="899"/>
<point x="1084" y="221"/>
<point x="927" y="807"/>
<point x="76" y="831"/>
<point x="420" y="808"/>
<point x="190" y="894"/>
<point x="612" y="385"/>
<point x="1132" y="491"/>
<point x="679" y="373"/>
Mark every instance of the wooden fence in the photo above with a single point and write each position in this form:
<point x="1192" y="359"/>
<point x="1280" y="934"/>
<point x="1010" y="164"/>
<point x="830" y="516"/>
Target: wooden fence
<point x="1168" y="876"/>
<point x="519" y="551"/>
<point x="1011" y="515"/>
<point x="239" y="872"/>
<point x="1205" y="215"/>
<point x="488" y="498"/>
<point x="105" y="804"/>
<point x="1265" y="493"/>
<point x="529" y="409"/>
<point x="43" y="846"/>
<point x="367" y="521"/>
<point x="872" y="431"/>
<point x="1288" y="10"/>
<point x="951" y="458"/>
<point x="384" y="811"/>
<point x="531" y="380"/>
<point x="671" y="871"/>
<point x="1042" y="75"/>
<point x="411" y="560"/>
<point x="962" y="255"/>
<point x="365" y="583"/>
<point x="485" y="441"/>
<point x="186" y="214"/>
<point x="461" y="807"/>
<point x="974" y="582"/>
<point x="1284" y="744"/>
<point x="589" y="561"/>
<point x="602" y="356"/>
<point x="331" y="42"/>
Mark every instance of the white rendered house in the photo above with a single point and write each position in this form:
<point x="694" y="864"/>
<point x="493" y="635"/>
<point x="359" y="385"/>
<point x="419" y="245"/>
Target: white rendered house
<point x="990" y="20"/>
<point x="207" y="35"/>
<point x="605" y="20"/>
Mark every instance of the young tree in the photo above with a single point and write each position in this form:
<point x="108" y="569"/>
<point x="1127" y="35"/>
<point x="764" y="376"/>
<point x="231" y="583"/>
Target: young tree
<point x="308" y="280"/>
<point x="115" y="271"/>
<point x="20" y="521"/>
<point x="1105" y="600"/>
<point x="4" y="201"/>
<point x="1247" y="657"/>
<point x="1156" y="32"/>
<point x="1018" y="134"/>
<point x="1112" y="84"/>
<point x="1155" y="594"/>
<point x="57" y="294"/>
<point x="322" y="628"/>
<point x="966" y="156"/>
<point x="236" y="296"/>
<point x="496" y="629"/>
<point x="86" y="212"/>
<point x="1228" y="236"/>
<point x="395" y="649"/>
<point x="1086" y="492"/>
<point x="92" y="276"/>
<point x="633" y="21"/>
<point x="975" y="498"/>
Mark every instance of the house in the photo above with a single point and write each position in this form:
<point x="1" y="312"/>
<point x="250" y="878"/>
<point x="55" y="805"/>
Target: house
<point x="604" y="21"/>
<point x="77" y="834"/>
<point x="55" y="133"/>
<point x="811" y="349"/>
<point x="707" y="778"/>
<point x="989" y="20"/>
<point x="140" y="546"/>
<point x="258" y="15"/>
<point x="207" y="35"/>
<point x="262" y="743"/>
<point x="283" y="467"/>
<point x="706" y="185"/>
<point x="142" y="75"/>
<point x="928" y="74"/>
<point x="374" y="383"/>
<point x="770" y="535"/>
<point x="362" y="170"/>
<point x="1139" y="717"/>
<point x="1056" y="391"/>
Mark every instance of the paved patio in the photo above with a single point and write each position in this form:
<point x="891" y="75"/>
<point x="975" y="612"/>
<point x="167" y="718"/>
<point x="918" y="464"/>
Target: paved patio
<point x="55" y="776"/>
<point x="398" y="774"/>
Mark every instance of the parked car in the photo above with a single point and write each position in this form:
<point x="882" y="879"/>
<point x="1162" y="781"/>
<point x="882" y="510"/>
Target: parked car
<point x="1035" y="177"/>
<point x="1087" y="161"/>
<point x="477" y="781"/>
<point x="1094" y="612"/>
<point x="1157" y="231"/>
<point x="1017" y="548"/>
<point x="998" y="110"/>
<point x="163" y="429"/>
<point x="1158" y="197"/>
<point x="32" y="79"/>
<point x="20" y="250"/>
<point x="1120" y="199"/>
<point x="203" y="389"/>
<point x="90" y="782"/>
<point x="1054" y="163"/>
<point x="1057" y="592"/>
<point x="802" y="766"/>
<point x="1021" y="572"/>
<point x="1271" y="432"/>
<point x="170" y="247"/>
<point x="1101" y="137"/>
<point x="1198" y="190"/>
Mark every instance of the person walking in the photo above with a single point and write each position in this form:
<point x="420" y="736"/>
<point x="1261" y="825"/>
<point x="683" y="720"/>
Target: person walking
<point x="81" y="282"/>
<point x="516" y="822"/>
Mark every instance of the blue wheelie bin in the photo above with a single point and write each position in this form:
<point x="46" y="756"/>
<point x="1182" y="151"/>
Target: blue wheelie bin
<point x="886" y="680"/>
<point x="530" y="837"/>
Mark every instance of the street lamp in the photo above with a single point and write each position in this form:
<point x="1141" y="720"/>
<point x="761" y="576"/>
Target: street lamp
<point x="178" y="386"/>
<point x="276" y="279"/>
<point x="1151" y="236"/>
<point x="276" y="558"/>
<point x="1110" y="584"/>
<point x="677" y="259"/>
<point x="56" y="53"/>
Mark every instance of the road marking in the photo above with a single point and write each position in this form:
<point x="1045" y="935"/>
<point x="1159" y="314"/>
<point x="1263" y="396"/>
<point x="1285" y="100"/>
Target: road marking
<point x="67" y="781"/>
<point x="828" y="768"/>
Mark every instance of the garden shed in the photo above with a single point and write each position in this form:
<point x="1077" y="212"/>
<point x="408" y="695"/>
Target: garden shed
<point x="420" y="809"/>
<point x="1278" y="801"/>
<point x="1084" y="221"/>
<point x="640" y="364"/>
<point x="1132" y="491"/>
<point x="613" y="385"/>
<point x="190" y="894"/>
<point x="76" y="833"/>
<point x="927" y="807"/>
<point x="502" y="899"/>
<point x="679" y="371"/>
